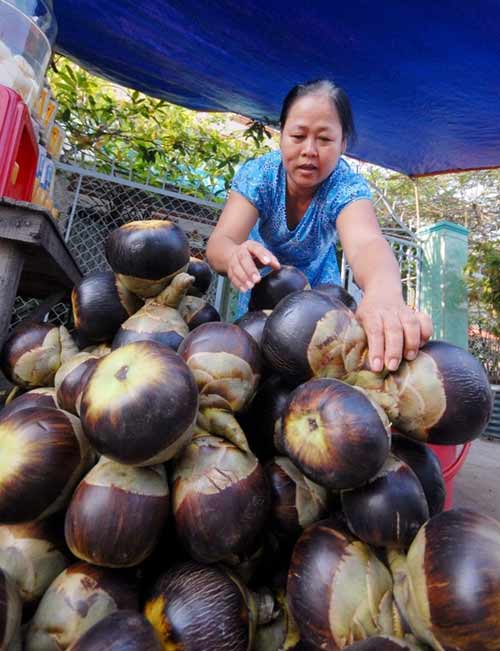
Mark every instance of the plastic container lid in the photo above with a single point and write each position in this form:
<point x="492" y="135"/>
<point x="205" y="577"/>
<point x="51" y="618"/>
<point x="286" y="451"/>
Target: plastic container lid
<point x="41" y="13"/>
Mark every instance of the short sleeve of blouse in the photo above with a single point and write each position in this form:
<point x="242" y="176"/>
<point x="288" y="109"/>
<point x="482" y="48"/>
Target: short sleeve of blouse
<point x="346" y="186"/>
<point x="255" y="179"/>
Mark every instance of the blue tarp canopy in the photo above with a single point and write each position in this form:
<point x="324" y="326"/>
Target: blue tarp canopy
<point x="423" y="77"/>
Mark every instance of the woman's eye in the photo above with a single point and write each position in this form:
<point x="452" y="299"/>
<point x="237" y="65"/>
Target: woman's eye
<point x="297" y="136"/>
<point x="323" y="139"/>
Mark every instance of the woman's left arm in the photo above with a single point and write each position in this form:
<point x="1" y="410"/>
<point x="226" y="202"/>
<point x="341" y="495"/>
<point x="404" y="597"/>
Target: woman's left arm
<point x="393" y="329"/>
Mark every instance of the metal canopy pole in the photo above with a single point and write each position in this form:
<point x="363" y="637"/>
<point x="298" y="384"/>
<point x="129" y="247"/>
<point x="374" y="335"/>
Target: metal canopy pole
<point x="417" y="200"/>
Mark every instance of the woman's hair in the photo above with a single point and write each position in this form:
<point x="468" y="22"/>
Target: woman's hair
<point x="337" y="96"/>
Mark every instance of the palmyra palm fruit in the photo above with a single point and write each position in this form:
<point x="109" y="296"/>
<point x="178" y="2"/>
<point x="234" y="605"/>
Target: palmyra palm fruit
<point x="226" y="364"/>
<point x="441" y="397"/>
<point x="117" y="513"/>
<point x="77" y="599"/>
<point x="123" y="630"/>
<point x="202" y="274"/>
<point x="147" y="254"/>
<point x="220" y="498"/>
<point x="43" y="455"/>
<point x="389" y="510"/>
<point x="33" y="554"/>
<point x="296" y="501"/>
<point x="195" y="311"/>
<point x="272" y="287"/>
<point x="339" y="592"/>
<point x="334" y="434"/>
<point x="425" y="464"/>
<point x="448" y="585"/>
<point x="193" y="606"/>
<point x="70" y="381"/>
<point x="159" y="319"/>
<point x="101" y="303"/>
<point x="33" y="352"/>
<point x="140" y="404"/>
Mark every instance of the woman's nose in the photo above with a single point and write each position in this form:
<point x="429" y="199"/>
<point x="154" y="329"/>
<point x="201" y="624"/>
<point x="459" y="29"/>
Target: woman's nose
<point x="310" y="146"/>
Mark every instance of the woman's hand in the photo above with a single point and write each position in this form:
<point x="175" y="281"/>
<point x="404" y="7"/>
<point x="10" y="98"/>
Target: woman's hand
<point x="393" y="330"/>
<point x="229" y="251"/>
<point x="242" y="268"/>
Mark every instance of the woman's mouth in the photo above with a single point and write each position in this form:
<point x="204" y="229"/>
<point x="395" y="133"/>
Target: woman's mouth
<point x="307" y="168"/>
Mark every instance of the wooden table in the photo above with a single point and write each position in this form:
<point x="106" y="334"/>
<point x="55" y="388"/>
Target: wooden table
<point x="34" y="259"/>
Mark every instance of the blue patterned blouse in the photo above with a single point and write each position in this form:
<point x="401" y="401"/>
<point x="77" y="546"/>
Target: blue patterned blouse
<point x="310" y="246"/>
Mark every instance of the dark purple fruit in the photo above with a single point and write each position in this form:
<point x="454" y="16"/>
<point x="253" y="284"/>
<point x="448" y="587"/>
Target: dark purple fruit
<point x="272" y="287"/>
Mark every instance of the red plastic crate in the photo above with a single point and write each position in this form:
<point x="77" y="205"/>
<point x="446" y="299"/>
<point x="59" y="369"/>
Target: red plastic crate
<point x="18" y="147"/>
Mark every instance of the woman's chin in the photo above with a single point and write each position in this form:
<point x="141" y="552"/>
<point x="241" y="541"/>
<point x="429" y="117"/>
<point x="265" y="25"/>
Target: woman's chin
<point x="306" y="179"/>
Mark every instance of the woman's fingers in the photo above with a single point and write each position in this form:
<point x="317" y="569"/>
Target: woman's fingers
<point x="393" y="340"/>
<point x="426" y="328"/>
<point x="237" y="275"/>
<point x="412" y="334"/>
<point x="247" y="263"/>
<point x="393" y="333"/>
<point x="242" y="270"/>
<point x="374" y="328"/>
<point x="265" y="257"/>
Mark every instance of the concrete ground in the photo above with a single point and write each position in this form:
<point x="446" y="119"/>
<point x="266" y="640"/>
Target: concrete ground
<point x="477" y="486"/>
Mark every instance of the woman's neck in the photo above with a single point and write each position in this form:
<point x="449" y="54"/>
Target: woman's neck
<point x="297" y="203"/>
<point x="299" y="195"/>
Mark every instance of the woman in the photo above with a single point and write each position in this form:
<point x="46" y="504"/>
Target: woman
<point x="294" y="202"/>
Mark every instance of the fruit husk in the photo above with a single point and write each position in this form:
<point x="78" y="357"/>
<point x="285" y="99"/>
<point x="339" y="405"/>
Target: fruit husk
<point x="131" y="506"/>
<point x="334" y="434"/>
<point x="389" y="510"/>
<point x="140" y="404"/>
<point x="220" y="498"/>
<point x="338" y="591"/>
<point x="191" y="598"/>
<point x="448" y="585"/>
<point x="123" y="630"/>
<point x="77" y="599"/>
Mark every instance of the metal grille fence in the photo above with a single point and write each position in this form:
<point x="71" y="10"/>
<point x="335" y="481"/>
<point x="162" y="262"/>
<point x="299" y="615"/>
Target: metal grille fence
<point x="486" y="347"/>
<point x="405" y="247"/>
<point x="409" y="256"/>
<point x="93" y="204"/>
<point x="97" y="204"/>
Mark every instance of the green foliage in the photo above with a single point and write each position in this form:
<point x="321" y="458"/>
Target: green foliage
<point x="160" y="143"/>
<point x="471" y="199"/>
<point x="483" y="280"/>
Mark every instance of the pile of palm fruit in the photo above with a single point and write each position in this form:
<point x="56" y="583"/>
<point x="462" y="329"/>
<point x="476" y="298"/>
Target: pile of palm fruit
<point x="172" y="481"/>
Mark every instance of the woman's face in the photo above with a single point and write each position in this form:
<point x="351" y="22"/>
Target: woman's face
<point x="311" y="141"/>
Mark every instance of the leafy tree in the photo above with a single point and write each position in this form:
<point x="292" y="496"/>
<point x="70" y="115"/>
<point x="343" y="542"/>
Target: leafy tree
<point x="483" y="276"/>
<point x="471" y="199"/>
<point x="159" y="142"/>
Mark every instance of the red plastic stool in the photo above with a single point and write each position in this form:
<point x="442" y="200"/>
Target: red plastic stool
<point x="18" y="147"/>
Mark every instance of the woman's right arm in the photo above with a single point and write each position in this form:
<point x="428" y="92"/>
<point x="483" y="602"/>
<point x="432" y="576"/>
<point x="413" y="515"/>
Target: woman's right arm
<point x="228" y="250"/>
